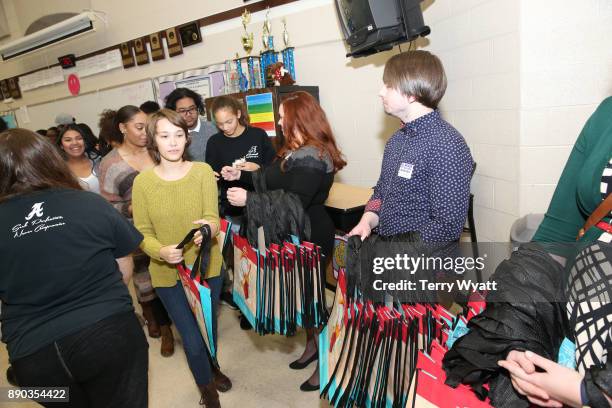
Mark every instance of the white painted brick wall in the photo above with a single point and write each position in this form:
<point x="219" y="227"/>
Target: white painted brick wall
<point x="478" y="43"/>
<point x="566" y="70"/>
<point x="523" y="77"/>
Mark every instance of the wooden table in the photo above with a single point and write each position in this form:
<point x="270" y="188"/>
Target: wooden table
<point x="346" y="203"/>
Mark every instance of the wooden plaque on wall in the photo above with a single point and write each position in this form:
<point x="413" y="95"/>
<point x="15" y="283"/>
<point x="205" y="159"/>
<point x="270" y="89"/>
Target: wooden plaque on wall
<point x="5" y="89"/>
<point x="174" y="42"/>
<point x="126" y="54"/>
<point x="140" y="48"/>
<point x="157" y="48"/>
<point x="13" y="84"/>
<point x="190" y="33"/>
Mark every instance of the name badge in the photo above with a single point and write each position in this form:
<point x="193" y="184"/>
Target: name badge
<point x="405" y="170"/>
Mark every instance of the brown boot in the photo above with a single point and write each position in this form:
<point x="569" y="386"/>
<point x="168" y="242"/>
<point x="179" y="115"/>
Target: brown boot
<point x="210" y="396"/>
<point x="222" y="382"/>
<point x="167" y="341"/>
<point x="152" y="326"/>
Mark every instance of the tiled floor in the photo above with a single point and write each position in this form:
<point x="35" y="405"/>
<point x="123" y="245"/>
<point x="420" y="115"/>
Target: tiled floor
<point x="258" y="367"/>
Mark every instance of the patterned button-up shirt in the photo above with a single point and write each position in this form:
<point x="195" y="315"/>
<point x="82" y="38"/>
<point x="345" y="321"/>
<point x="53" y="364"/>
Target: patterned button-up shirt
<point x="424" y="184"/>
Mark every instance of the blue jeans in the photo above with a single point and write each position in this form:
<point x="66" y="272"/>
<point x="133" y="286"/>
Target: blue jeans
<point x="176" y="304"/>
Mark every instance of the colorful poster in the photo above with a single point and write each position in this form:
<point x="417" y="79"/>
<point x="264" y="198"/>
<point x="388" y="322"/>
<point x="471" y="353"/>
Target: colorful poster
<point x="10" y="120"/>
<point x="261" y="112"/>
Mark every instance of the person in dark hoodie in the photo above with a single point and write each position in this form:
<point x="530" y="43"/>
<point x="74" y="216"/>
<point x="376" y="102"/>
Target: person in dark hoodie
<point x="67" y="315"/>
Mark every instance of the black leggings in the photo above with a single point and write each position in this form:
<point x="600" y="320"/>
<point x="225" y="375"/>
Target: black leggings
<point x="104" y="365"/>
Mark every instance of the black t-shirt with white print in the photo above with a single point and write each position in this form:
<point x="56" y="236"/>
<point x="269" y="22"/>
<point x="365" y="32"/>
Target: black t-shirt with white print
<point x="253" y="144"/>
<point x="58" y="272"/>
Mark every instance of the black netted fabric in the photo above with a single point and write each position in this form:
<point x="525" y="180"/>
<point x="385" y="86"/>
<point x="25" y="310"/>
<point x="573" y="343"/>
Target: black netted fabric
<point x="524" y="313"/>
<point x="360" y="260"/>
<point x="280" y="213"/>
<point x="359" y="266"/>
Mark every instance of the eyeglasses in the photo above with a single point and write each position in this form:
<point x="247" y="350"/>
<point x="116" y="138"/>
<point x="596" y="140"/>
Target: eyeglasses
<point x="188" y="111"/>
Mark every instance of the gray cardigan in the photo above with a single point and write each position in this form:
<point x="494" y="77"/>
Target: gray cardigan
<point x="197" y="148"/>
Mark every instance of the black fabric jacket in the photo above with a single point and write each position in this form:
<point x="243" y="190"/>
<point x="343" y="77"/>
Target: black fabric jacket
<point x="526" y="312"/>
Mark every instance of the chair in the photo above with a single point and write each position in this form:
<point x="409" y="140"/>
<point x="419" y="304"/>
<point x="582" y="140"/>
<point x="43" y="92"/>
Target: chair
<point x="471" y="227"/>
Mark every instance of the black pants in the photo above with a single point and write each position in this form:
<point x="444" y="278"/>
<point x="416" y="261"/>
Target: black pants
<point x="104" y="365"/>
<point x="160" y="313"/>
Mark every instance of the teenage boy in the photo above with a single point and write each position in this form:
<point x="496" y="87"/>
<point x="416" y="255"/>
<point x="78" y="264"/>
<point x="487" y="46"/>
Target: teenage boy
<point x="189" y="105"/>
<point x="424" y="183"/>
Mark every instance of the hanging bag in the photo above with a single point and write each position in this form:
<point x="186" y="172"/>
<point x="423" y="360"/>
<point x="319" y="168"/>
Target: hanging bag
<point x="197" y="290"/>
<point x="247" y="274"/>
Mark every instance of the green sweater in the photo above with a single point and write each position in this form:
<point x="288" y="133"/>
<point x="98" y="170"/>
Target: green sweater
<point x="164" y="212"/>
<point x="578" y="192"/>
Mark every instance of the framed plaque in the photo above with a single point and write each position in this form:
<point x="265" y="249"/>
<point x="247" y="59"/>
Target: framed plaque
<point x="174" y="42"/>
<point x="4" y="89"/>
<point x="126" y="54"/>
<point x="13" y="84"/>
<point x="140" y="48"/>
<point x="190" y="33"/>
<point x="157" y="48"/>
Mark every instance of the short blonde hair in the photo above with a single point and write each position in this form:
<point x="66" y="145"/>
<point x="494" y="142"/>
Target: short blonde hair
<point x="419" y="74"/>
<point x="174" y="118"/>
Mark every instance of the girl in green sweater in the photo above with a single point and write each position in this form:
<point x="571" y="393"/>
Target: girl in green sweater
<point x="168" y="200"/>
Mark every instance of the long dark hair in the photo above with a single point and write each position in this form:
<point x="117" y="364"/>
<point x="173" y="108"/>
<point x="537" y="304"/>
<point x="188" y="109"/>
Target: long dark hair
<point x="302" y="113"/>
<point x="30" y="163"/>
<point x="110" y="120"/>
<point x="88" y="138"/>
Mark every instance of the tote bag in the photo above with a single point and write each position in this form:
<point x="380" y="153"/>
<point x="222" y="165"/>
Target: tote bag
<point x="197" y="290"/>
<point x="246" y="275"/>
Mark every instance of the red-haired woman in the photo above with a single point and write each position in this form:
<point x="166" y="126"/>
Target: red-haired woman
<point x="305" y="165"/>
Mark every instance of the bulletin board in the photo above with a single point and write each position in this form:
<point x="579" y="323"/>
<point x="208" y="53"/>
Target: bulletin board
<point x="206" y="81"/>
<point x="86" y="108"/>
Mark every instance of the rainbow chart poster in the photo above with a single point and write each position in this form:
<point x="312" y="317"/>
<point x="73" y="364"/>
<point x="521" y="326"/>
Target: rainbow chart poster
<point x="261" y="112"/>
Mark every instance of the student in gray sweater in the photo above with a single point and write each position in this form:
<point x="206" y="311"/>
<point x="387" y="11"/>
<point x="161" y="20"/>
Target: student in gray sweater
<point x="190" y="105"/>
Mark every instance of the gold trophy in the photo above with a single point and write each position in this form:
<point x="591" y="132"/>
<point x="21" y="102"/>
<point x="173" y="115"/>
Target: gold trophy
<point x="247" y="38"/>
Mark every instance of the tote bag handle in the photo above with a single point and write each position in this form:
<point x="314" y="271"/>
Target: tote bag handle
<point x="600" y="212"/>
<point x="200" y="263"/>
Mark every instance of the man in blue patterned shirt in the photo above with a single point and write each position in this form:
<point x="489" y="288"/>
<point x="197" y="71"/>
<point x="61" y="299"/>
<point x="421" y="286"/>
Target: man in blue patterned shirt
<point x="424" y="183"/>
